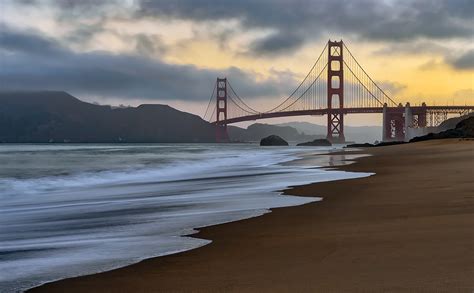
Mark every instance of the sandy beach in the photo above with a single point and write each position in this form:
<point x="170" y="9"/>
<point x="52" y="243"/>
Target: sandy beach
<point x="409" y="228"/>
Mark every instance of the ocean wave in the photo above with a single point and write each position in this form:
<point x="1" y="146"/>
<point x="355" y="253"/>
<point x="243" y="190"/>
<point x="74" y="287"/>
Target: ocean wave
<point x="61" y="226"/>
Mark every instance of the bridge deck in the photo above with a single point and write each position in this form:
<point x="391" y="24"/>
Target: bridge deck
<point x="321" y="112"/>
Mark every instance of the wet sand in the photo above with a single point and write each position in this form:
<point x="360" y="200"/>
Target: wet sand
<point x="409" y="228"/>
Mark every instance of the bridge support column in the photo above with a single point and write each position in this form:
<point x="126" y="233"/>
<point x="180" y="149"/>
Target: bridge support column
<point x="422" y="119"/>
<point x="385" y="125"/>
<point x="393" y="124"/>
<point x="415" y="121"/>
<point x="221" y="110"/>
<point x="408" y="121"/>
<point x="335" y="90"/>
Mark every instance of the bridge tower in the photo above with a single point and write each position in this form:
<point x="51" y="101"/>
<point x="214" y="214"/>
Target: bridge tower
<point x="335" y="91"/>
<point x="221" y="110"/>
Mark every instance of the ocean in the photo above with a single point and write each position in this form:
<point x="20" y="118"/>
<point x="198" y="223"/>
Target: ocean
<point x="74" y="209"/>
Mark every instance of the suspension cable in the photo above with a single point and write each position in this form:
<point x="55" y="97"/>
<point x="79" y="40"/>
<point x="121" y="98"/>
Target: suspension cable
<point x="368" y="75"/>
<point x="246" y="111"/>
<point x="362" y="83"/>
<point x="300" y="83"/>
<point x="237" y="96"/>
<point x="317" y="78"/>
<point x="213" y="113"/>
<point x="210" y="100"/>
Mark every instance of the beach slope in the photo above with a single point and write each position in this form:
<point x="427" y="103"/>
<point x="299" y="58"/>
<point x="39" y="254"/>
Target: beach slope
<point x="409" y="228"/>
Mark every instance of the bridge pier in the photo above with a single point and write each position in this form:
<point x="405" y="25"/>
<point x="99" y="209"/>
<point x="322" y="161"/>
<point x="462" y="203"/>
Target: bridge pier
<point x="415" y="121"/>
<point x="393" y="124"/>
<point x="221" y="133"/>
<point x="403" y="122"/>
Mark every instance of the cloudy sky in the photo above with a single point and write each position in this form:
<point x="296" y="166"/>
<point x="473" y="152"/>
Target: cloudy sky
<point x="149" y="51"/>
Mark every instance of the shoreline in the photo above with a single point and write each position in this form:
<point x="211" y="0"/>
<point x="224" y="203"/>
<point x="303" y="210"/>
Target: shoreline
<point x="357" y="238"/>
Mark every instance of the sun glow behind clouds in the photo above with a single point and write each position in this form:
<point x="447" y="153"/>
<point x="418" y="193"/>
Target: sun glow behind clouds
<point x="416" y="69"/>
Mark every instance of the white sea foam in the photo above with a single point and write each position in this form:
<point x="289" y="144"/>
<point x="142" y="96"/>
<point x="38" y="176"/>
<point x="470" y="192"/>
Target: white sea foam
<point x="119" y="204"/>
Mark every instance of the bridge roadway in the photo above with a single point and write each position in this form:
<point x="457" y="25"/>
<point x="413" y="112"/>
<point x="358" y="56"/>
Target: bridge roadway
<point x="321" y="112"/>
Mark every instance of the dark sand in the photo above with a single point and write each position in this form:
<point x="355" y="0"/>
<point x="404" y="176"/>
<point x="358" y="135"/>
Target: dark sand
<point x="410" y="228"/>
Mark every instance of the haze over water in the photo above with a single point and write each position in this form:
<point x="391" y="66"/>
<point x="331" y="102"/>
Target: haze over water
<point x="70" y="210"/>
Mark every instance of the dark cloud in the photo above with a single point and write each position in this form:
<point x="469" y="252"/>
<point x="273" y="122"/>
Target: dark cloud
<point x="277" y="43"/>
<point x="31" y="62"/>
<point x="70" y="8"/>
<point x="27" y="2"/>
<point x="30" y="44"/>
<point x="297" y="22"/>
<point x="294" y="23"/>
<point x="456" y="58"/>
<point x="414" y="48"/>
<point x="84" y="6"/>
<point x="464" y="61"/>
<point x="83" y="33"/>
<point x="149" y="45"/>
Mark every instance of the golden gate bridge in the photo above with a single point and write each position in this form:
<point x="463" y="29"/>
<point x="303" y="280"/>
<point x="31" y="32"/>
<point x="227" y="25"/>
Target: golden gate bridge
<point x="336" y="85"/>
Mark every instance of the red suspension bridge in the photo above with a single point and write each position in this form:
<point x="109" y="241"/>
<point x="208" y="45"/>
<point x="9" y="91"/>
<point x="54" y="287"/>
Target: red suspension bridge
<point x="336" y="85"/>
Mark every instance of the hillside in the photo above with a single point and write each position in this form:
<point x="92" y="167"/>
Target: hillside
<point x="50" y="116"/>
<point x="257" y="131"/>
<point x="452" y="122"/>
<point x="463" y="129"/>
<point x="358" y="134"/>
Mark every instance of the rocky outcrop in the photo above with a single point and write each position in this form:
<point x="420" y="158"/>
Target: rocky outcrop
<point x="369" y="145"/>
<point x="273" y="140"/>
<point x="359" y="145"/>
<point x="316" y="142"/>
<point x="386" y="143"/>
<point x="464" y="129"/>
<point x="451" y="123"/>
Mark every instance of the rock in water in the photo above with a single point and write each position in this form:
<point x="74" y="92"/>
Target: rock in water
<point x="316" y="142"/>
<point x="359" y="145"/>
<point x="273" y="140"/>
